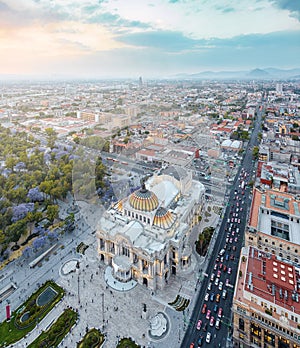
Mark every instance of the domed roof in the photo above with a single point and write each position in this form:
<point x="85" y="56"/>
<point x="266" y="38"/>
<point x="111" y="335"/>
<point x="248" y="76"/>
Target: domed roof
<point x="143" y="199"/>
<point x="119" y="205"/>
<point x="163" y="218"/>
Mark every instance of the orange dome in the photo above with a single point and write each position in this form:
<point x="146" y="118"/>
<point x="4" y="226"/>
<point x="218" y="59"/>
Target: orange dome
<point x="163" y="218"/>
<point x="143" y="200"/>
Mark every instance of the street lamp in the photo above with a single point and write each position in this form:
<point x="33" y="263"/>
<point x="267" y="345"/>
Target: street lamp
<point x="78" y="285"/>
<point x="103" y="311"/>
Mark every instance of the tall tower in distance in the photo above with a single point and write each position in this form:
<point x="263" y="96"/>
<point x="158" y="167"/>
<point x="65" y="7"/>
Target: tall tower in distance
<point x="140" y="82"/>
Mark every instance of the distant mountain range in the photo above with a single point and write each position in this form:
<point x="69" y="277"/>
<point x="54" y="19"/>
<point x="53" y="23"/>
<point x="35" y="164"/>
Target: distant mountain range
<point x="267" y="73"/>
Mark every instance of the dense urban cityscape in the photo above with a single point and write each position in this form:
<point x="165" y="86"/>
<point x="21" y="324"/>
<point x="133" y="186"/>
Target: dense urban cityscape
<point x="150" y="213"/>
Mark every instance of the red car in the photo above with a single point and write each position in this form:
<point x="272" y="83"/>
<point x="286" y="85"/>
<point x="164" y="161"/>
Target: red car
<point x="199" y="324"/>
<point x="208" y="314"/>
<point x="204" y="308"/>
<point x="220" y="312"/>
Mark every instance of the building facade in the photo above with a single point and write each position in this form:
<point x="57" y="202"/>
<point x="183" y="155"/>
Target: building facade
<point x="274" y="224"/>
<point x="266" y="308"/>
<point x="145" y="236"/>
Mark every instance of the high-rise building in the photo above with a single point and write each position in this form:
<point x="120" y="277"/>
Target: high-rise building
<point x="140" y="82"/>
<point x="274" y="223"/>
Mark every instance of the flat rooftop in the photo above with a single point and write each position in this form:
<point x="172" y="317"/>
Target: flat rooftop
<point x="272" y="280"/>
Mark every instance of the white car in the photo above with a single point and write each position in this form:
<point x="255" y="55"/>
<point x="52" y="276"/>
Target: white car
<point x="206" y="297"/>
<point x="208" y="337"/>
<point x="220" y="285"/>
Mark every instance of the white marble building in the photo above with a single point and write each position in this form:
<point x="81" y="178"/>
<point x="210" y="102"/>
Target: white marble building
<point x="145" y="236"/>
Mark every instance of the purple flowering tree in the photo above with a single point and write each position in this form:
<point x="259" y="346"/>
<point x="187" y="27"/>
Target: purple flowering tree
<point x="27" y="252"/>
<point x="39" y="243"/>
<point x="21" y="210"/>
<point x="35" y="195"/>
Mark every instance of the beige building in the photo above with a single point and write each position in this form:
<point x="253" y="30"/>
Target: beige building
<point x="145" y="237"/>
<point x="274" y="224"/>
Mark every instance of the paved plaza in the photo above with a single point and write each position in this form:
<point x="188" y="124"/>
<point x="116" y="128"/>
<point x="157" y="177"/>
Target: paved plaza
<point x="106" y="305"/>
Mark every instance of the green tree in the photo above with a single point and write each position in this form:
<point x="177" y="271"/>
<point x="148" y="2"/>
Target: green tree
<point x="15" y="230"/>
<point x="52" y="212"/>
<point x="51" y="137"/>
<point x="255" y="152"/>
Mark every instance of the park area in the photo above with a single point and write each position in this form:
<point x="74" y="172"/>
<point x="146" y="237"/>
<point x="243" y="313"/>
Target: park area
<point x="25" y="318"/>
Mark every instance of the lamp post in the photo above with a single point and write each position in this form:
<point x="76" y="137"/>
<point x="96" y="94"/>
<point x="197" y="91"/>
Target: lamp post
<point x="103" y="319"/>
<point x="78" y="283"/>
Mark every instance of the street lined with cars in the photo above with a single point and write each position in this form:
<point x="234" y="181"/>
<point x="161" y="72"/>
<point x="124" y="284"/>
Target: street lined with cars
<point x="222" y="270"/>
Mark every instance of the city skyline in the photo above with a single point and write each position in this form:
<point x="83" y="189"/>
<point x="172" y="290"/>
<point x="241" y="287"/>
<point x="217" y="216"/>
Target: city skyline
<point x="94" y="39"/>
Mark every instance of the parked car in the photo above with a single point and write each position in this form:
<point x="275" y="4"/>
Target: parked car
<point x="218" y="298"/>
<point x="200" y="341"/>
<point x="218" y="322"/>
<point x="204" y="308"/>
<point x="229" y="270"/>
<point x="199" y="324"/>
<point x="220" y="312"/>
<point x="206" y="297"/>
<point x="208" y="337"/>
<point x="208" y="314"/>
<point x="212" y="321"/>
<point x="224" y="294"/>
<point x="220" y="285"/>
<point x="212" y="297"/>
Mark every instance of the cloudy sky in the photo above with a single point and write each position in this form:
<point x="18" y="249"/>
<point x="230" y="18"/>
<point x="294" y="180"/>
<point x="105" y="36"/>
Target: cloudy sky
<point x="130" y="38"/>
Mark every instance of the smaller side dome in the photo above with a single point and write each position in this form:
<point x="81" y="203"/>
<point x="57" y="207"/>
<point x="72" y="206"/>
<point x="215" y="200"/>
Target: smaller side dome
<point x="119" y="206"/>
<point x="163" y="218"/>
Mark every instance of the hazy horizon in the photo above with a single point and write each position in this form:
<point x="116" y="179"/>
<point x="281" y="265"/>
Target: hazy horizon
<point x="115" y="38"/>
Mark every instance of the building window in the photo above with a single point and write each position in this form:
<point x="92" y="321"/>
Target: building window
<point x="296" y="251"/>
<point x="273" y="243"/>
<point x="266" y="241"/>
<point x="241" y="324"/>
<point x="269" y="338"/>
<point x="278" y="229"/>
<point x="148" y="221"/>
<point x="125" y="251"/>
